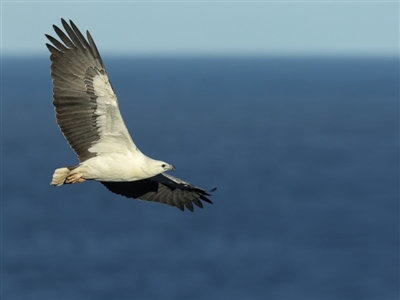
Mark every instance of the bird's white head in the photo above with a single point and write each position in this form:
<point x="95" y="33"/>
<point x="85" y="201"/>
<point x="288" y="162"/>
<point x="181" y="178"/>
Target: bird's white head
<point x="167" y="167"/>
<point x="154" y="167"/>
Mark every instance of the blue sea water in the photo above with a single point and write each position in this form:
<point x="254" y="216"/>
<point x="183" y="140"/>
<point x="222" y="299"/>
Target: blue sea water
<point x="304" y="153"/>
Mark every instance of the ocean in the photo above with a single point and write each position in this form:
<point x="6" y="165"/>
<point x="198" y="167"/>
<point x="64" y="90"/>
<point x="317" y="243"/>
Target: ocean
<point x="304" y="153"/>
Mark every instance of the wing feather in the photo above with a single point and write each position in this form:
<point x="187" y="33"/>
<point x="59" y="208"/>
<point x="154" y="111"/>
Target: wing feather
<point x="85" y="103"/>
<point x="62" y="36"/>
<point x="162" y="188"/>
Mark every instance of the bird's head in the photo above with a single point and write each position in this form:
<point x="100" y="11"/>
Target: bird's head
<point x="167" y="167"/>
<point x="153" y="167"/>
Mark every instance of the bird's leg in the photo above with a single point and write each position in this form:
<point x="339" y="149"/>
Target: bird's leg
<point x="75" y="178"/>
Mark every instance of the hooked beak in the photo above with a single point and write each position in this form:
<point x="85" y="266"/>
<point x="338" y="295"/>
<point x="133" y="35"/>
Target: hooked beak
<point x="172" y="168"/>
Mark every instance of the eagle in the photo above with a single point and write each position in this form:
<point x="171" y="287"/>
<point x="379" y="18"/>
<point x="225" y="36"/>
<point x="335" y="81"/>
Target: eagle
<point x="87" y="114"/>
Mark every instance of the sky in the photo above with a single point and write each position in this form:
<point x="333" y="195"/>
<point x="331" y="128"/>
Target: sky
<point x="251" y="28"/>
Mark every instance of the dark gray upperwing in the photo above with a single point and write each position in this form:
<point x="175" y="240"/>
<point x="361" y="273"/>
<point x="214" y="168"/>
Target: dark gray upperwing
<point x="162" y="188"/>
<point x="74" y="64"/>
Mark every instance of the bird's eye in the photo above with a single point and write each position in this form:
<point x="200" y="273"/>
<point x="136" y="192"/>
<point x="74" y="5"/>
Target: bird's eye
<point x="163" y="165"/>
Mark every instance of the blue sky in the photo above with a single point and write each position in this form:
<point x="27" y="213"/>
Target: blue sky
<point x="210" y="28"/>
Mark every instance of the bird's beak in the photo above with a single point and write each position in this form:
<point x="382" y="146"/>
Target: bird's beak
<point x="172" y="168"/>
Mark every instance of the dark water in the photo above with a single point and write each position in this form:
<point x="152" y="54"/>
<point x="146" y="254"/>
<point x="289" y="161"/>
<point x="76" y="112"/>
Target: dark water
<point x="304" y="152"/>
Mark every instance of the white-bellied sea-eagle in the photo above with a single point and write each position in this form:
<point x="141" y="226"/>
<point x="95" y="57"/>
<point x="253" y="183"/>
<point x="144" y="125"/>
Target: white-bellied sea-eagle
<point x="88" y="115"/>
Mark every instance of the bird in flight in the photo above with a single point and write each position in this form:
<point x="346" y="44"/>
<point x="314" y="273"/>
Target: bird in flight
<point x="87" y="114"/>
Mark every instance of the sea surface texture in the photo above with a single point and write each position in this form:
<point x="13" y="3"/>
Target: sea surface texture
<point x="304" y="153"/>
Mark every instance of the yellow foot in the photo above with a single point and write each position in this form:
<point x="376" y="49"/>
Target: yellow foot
<point x="74" y="178"/>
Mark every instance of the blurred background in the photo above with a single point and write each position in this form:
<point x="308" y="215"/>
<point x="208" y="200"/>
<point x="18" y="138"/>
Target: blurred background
<point x="290" y="109"/>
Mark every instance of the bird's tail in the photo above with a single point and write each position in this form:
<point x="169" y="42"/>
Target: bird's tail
<point x="65" y="175"/>
<point x="59" y="176"/>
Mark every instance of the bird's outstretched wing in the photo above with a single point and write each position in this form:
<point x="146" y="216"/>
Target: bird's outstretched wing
<point x="162" y="188"/>
<point x="86" y="106"/>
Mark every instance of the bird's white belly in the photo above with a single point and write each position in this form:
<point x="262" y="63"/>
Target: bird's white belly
<point x="113" y="167"/>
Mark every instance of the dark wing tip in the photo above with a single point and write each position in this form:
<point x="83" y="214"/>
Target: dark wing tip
<point x="180" y="206"/>
<point x="72" y="23"/>
<point x="196" y="200"/>
<point x="189" y="205"/>
<point x="205" y="199"/>
<point x="65" y="23"/>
